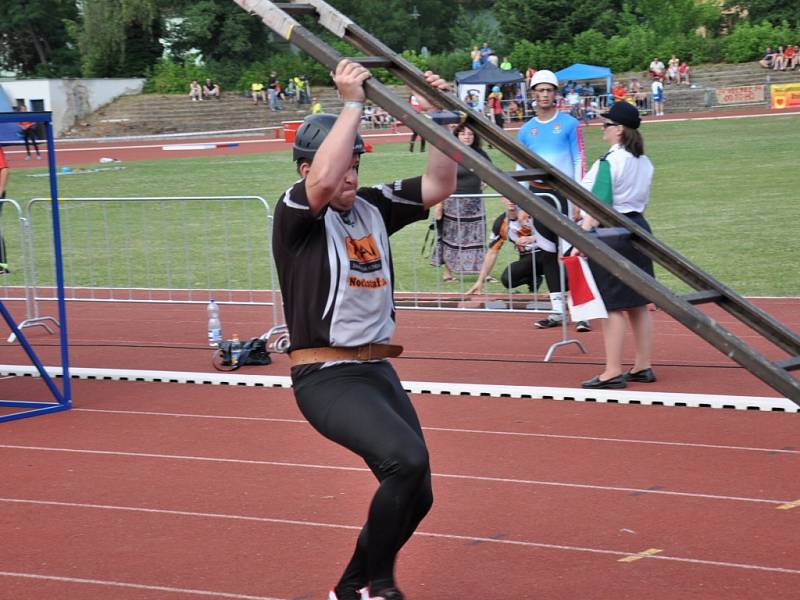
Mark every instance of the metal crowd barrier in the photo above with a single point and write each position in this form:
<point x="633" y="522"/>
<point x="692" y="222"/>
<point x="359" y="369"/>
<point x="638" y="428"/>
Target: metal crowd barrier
<point x="416" y="291"/>
<point x="168" y="249"/>
<point x="20" y="262"/>
<point x="187" y="249"/>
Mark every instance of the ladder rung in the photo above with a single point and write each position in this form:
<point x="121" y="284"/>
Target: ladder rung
<point x="297" y="9"/>
<point x="372" y="62"/>
<point x="702" y="297"/>
<point x="790" y="364"/>
<point x="528" y="174"/>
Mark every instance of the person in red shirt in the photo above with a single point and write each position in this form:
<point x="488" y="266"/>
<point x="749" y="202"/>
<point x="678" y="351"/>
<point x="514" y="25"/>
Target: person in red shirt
<point x="496" y="106"/>
<point x="790" y="57"/>
<point x="29" y="135"/>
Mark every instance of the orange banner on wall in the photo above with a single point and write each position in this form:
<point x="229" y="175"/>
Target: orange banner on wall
<point x="785" y="95"/>
<point x="740" y="94"/>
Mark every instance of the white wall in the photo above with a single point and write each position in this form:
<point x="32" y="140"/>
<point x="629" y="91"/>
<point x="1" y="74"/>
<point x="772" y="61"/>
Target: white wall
<point x="70" y="99"/>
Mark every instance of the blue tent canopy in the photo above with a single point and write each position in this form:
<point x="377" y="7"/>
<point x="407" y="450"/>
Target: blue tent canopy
<point x="581" y="72"/>
<point x="489" y="74"/>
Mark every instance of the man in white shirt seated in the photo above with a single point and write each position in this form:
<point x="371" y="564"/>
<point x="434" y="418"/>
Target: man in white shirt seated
<point x="657" y="69"/>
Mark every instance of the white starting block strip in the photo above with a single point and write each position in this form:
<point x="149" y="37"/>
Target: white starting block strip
<point x="209" y="146"/>
<point x="761" y="403"/>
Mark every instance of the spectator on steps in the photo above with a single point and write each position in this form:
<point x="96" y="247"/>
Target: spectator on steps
<point x="639" y="97"/>
<point x="683" y="73"/>
<point x="788" y="59"/>
<point x="211" y="90"/>
<point x="792" y="57"/>
<point x="195" y="91"/>
<point x="767" y="58"/>
<point x="657" y="69"/>
<point x="257" y="91"/>
<point x="485" y="51"/>
<point x="291" y="91"/>
<point x="672" y="69"/>
<point x="475" y="57"/>
<point x="316" y="106"/>
<point x="779" y="60"/>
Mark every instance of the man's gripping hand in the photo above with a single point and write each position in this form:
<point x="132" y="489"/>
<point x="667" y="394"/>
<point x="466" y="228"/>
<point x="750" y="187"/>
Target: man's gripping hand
<point x="349" y="78"/>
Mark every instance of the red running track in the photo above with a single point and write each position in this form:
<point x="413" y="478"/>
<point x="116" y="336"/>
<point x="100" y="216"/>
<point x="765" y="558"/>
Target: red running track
<point x="162" y="491"/>
<point x="187" y="491"/>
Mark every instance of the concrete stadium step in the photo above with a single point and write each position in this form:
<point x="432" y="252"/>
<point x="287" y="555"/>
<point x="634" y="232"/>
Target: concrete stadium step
<point x="176" y="113"/>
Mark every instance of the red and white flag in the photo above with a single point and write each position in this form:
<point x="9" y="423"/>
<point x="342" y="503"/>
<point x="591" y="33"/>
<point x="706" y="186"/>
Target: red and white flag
<point x="583" y="299"/>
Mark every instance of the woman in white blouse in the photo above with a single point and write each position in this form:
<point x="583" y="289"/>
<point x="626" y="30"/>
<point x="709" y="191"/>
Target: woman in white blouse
<point x="631" y="174"/>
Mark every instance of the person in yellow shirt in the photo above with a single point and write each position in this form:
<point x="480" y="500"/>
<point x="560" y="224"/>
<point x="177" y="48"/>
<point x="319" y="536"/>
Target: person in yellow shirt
<point x="257" y="91"/>
<point x="316" y="106"/>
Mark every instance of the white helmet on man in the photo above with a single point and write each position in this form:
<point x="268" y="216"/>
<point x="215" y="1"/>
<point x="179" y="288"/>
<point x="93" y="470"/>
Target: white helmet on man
<point x="544" y="76"/>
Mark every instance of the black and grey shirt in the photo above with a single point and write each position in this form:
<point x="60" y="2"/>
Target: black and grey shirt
<point x="335" y="269"/>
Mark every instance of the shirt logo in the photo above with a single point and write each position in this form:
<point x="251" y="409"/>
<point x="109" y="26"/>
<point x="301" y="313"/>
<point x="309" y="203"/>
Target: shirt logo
<point x="364" y="254"/>
<point x="534" y="131"/>
<point x="557" y="129"/>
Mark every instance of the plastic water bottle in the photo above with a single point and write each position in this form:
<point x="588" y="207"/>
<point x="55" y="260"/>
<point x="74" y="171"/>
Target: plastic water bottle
<point x="214" y="325"/>
<point x="236" y="349"/>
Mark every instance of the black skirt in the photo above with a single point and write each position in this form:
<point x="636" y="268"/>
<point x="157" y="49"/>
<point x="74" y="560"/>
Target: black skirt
<point x="617" y="295"/>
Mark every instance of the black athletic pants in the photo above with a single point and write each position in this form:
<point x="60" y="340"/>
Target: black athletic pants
<point x="363" y="407"/>
<point x="29" y="135"/>
<point x="549" y="260"/>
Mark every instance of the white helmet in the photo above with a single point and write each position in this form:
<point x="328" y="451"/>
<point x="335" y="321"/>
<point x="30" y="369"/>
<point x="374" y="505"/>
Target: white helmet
<point x="544" y="76"/>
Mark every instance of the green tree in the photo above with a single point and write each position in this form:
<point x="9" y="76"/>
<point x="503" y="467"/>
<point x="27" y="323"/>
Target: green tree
<point x="472" y="29"/>
<point x="673" y="17"/>
<point x="555" y="20"/>
<point x="34" y="40"/>
<point x="392" y="21"/>
<point x="772" y="11"/>
<point x="118" y="38"/>
<point x="219" y="29"/>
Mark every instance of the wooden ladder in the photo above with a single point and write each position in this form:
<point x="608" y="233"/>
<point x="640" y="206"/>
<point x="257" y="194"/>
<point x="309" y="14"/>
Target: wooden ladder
<point x="279" y="17"/>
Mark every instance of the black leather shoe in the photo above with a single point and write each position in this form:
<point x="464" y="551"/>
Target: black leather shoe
<point x="389" y="594"/>
<point x="595" y="383"/>
<point x="643" y="376"/>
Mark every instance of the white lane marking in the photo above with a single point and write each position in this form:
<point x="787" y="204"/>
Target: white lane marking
<point x="460" y="430"/>
<point x="446" y="536"/>
<point x="291" y="465"/>
<point x="146" y="146"/>
<point x="137" y="586"/>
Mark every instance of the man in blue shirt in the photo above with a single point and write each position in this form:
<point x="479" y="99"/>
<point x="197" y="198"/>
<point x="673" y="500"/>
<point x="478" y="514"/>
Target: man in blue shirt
<point x="556" y="137"/>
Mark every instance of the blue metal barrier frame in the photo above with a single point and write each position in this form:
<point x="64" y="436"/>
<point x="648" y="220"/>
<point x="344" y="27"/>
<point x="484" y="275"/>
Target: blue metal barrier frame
<point x="63" y="397"/>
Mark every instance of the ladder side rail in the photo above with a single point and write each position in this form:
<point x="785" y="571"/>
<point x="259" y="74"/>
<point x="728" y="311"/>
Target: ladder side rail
<point x="672" y="261"/>
<point x="684" y="269"/>
<point x="681" y="310"/>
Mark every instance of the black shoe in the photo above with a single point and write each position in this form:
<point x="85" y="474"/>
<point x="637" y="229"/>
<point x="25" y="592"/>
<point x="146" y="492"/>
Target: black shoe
<point x="347" y="593"/>
<point x="548" y="323"/>
<point x="643" y="376"/>
<point x="595" y="383"/>
<point x="583" y="326"/>
<point x="388" y="594"/>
